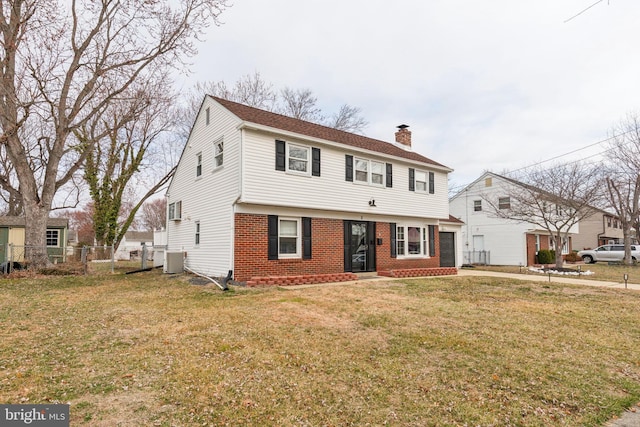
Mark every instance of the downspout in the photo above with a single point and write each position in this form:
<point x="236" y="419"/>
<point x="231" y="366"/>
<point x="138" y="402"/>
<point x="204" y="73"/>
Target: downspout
<point x="222" y="286"/>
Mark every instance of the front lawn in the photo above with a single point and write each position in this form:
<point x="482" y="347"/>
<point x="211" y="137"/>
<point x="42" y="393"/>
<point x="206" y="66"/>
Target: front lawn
<point x="152" y="349"/>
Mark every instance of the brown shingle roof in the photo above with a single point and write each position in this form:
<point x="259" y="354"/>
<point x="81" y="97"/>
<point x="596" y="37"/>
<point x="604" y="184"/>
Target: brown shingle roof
<point x="278" y="121"/>
<point x="19" y="221"/>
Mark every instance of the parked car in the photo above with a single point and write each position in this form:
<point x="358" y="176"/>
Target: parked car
<point x="608" y="253"/>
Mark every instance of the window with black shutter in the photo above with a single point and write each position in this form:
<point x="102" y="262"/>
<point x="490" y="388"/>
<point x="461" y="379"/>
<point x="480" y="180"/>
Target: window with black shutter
<point x="280" y="155"/>
<point x="431" y="183"/>
<point x="306" y="238"/>
<point x="412" y="179"/>
<point x="348" y="169"/>
<point x="315" y="161"/>
<point x="432" y="240"/>
<point x="273" y="236"/>
<point x="392" y="232"/>
<point x="389" y="175"/>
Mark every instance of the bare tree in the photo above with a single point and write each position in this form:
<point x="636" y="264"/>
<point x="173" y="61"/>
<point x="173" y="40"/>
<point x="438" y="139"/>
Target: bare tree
<point x="623" y="178"/>
<point x="113" y="161"/>
<point x="348" y="119"/>
<point x="154" y="214"/>
<point x="62" y="64"/>
<point x="253" y="91"/>
<point x="555" y="199"/>
<point x="300" y="104"/>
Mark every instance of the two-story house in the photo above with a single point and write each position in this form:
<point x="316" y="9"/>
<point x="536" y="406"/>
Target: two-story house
<point x="488" y="238"/>
<point x="277" y="200"/>
<point x="600" y="228"/>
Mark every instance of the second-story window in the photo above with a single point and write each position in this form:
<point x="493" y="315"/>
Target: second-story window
<point x="504" y="203"/>
<point x="421" y="181"/>
<point x="477" y="205"/>
<point x="218" y="147"/>
<point x="198" y="164"/>
<point x="370" y="171"/>
<point x="297" y="158"/>
<point x="362" y="170"/>
<point x="377" y="173"/>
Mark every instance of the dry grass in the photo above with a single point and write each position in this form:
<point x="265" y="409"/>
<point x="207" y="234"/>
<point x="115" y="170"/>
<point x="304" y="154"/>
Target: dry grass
<point x="149" y="349"/>
<point x="601" y="271"/>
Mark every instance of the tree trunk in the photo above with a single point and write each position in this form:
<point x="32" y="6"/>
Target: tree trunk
<point x="558" y="245"/>
<point x="35" y="234"/>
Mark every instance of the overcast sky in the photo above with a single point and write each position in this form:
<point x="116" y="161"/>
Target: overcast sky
<point x="484" y="85"/>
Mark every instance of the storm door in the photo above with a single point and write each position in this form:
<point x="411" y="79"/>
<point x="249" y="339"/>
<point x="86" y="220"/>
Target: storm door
<point x="359" y="246"/>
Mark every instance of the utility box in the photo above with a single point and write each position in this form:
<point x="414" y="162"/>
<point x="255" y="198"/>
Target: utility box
<point x="173" y="262"/>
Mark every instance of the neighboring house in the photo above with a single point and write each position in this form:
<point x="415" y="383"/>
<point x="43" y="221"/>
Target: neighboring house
<point x="131" y="245"/>
<point x="273" y="199"/>
<point x="601" y="228"/>
<point x="12" y="238"/>
<point x="488" y="239"/>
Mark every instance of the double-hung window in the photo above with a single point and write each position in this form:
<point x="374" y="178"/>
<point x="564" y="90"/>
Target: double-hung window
<point x="289" y="242"/>
<point x="197" y="235"/>
<point x="198" y="164"/>
<point x="362" y="170"/>
<point x="377" y="173"/>
<point x="421" y="181"/>
<point x="477" y="205"/>
<point x="369" y="172"/>
<point x="298" y="159"/>
<point x="504" y="203"/>
<point x="218" y="148"/>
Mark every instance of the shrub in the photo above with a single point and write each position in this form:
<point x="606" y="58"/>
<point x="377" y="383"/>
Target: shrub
<point x="572" y="257"/>
<point x="545" y="256"/>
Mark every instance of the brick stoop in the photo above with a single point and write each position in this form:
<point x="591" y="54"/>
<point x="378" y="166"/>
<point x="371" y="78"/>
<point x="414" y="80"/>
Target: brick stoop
<point x="419" y="272"/>
<point x="306" y="279"/>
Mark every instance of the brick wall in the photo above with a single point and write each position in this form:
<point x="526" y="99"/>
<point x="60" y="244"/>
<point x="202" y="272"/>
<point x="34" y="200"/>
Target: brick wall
<point x="383" y="252"/>
<point x="251" y="251"/>
<point x="327" y="262"/>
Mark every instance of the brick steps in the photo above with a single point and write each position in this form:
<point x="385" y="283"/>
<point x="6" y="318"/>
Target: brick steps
<point x="419" y="272"/>
<point x="306" y="279"/>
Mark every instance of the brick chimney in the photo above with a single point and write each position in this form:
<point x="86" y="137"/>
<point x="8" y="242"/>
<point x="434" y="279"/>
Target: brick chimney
<point x="403" y="136"/>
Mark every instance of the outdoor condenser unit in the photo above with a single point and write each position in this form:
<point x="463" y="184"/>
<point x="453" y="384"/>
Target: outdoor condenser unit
<point x="174" y="262"/>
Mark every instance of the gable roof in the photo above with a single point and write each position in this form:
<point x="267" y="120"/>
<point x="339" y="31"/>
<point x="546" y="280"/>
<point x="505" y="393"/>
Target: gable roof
<point x="19" y="221"/>
<point x="279" y="121"/>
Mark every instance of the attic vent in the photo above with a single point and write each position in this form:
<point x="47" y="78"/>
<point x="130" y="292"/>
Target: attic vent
<point x="487" y="182"/>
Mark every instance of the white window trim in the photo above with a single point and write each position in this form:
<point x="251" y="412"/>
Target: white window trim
<point x="426" y="181"/>
<point x="369" y="180"/>
<point x="197" y="238"/>
<point x="57" y="231"/>
<point x="177" y="211"/>
<point x="474" y="205"/>
<point x="217" y="155"/>
<point x="423" y="238"/>
<point x="298" y="253"/>
<point x="297" y="172"/>
<point x="199" y="165"/>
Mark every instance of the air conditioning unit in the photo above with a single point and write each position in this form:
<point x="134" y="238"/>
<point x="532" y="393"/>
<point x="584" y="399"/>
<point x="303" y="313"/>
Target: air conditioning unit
<point x="174" y="262"/>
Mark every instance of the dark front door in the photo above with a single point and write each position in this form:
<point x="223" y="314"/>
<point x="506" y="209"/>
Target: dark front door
<point x="447" y="250"/>
<point x="359" y="246"/>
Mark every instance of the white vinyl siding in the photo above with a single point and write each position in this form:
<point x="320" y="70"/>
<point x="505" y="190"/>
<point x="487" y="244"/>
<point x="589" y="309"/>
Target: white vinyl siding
<point x="264" y="185"/>
<point x="209" y="199"/>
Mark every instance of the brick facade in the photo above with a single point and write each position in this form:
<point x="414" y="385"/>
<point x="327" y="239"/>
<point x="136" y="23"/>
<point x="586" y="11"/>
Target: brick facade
<point x="327" y="262"/>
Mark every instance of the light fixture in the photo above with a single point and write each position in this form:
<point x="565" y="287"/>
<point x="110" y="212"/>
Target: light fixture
<point x="372" y="203"/>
